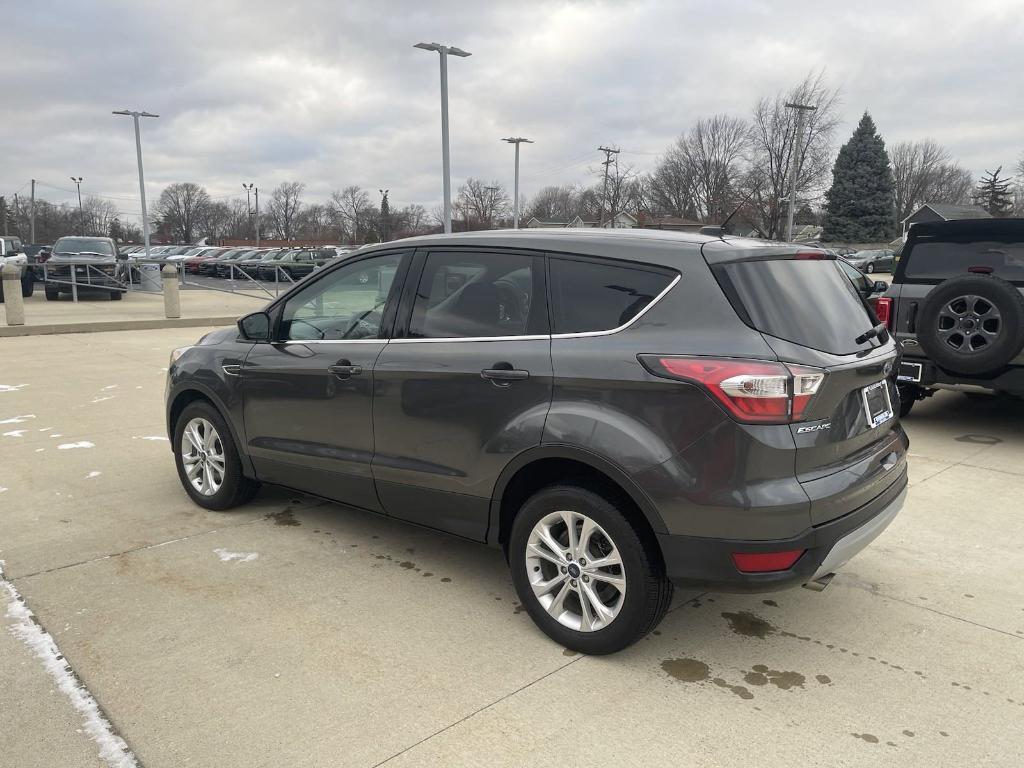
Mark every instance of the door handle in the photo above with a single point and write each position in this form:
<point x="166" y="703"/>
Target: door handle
<point x="343" y="369"/>
<point x="504" y="374"/>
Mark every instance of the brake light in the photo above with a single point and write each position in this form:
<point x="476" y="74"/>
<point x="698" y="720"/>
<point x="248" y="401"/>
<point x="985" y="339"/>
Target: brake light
<point x="883" y="310"/>
<point x="810" y="256"/>
<point x="752" y="391"/>
<point x="765" y="562"/>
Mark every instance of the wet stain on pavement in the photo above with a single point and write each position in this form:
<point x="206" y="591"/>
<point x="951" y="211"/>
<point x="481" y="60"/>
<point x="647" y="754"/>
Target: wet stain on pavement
<point x="823" y="679"/>
<point x="518" y="608"/>
<point x="979" y="439"/>
<point x="868" y="737"/>
<point x="568" y="652"/>
<point x="771" y="603"/>
<point x="908" y="733"/>
<point x="285" y="517"/>
<point x="761" y="675"/>
<point x="445" y="580"/>
<point x="686" y="670"/>
<point x="739" y="690"/>
<point x="407" y="564"/>
<point x="747" y="624"/>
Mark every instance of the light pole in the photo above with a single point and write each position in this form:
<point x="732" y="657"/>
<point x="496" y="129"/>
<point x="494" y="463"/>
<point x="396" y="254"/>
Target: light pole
<point x="801" y="114"/>
<point x="142" y="180"/>
<point x="81" y="215"/>
<point x="515" y="195"/>
<point x="443" y="51"/>
<point x="250" y="187"/>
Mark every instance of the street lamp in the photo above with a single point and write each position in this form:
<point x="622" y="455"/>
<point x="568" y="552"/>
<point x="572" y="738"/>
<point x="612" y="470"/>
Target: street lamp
<point x="81" y="215"/>
<point x="515" y="204"/>
<point x="443" y="51"/>
<point x="250" y="187"/>
<point x="142" y="181"/>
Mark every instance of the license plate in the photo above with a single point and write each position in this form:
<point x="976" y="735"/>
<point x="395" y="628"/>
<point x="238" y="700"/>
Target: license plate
<point x="910" y="372"/>
<point x="877" y="405"/>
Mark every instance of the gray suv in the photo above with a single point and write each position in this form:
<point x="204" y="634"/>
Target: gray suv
<point x="620" y="411"/>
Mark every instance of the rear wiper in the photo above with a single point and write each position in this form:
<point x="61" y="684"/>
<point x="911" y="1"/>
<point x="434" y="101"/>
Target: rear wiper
<point x="872" y="333"/>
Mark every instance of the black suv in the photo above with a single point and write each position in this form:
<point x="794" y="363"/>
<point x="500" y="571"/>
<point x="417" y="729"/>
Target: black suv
<point x="619" y="410"/>
<point x="957" y="305"/>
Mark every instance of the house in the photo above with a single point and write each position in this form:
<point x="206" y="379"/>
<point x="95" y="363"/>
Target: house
<point x="944" y="212"/>
<point x="674" y="223"/>
<point x="620" y="220"/>
<point x="535" y="223"/>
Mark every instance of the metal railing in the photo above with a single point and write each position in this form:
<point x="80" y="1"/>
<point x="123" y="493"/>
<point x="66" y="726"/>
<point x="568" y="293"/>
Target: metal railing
<point x="82" y="274"/>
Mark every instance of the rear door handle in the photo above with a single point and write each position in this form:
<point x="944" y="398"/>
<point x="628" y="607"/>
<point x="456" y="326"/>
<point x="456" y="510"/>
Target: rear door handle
<point x="344" y="369"/>
<point x="504" y="374"/>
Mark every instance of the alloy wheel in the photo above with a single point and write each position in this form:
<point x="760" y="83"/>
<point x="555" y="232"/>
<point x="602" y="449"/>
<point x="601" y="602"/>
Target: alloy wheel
<point x="202" y="455"/>
<point x="575" y="571"/>
<point x="969" y="323"/>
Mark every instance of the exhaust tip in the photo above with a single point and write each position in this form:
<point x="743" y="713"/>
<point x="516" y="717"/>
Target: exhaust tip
<point x="819" y="584"/>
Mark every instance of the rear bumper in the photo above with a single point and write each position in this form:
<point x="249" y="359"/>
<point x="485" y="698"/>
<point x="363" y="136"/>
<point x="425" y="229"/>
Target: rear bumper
<point x="924" y="373"/>
<point x="707" y="563"/>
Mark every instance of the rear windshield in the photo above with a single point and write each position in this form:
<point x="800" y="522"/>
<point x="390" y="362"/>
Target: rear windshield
<point x="939" y="259"/>
<point x="810" y="302"/>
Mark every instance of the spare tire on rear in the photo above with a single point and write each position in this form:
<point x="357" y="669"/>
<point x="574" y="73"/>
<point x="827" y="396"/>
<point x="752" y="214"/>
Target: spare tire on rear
<point x="972" y="324"/>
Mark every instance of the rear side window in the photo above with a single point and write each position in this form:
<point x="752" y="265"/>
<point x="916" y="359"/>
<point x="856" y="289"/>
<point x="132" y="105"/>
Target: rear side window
<point x="940" y="259"/>
<point x="589" y="296"/>
<point x="809" y="302"/>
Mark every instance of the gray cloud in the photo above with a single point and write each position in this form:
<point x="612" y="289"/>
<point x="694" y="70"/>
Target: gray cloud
<point x="334" y="94"/>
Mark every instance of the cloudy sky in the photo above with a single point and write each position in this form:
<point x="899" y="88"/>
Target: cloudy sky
<point x="333" y="93"/>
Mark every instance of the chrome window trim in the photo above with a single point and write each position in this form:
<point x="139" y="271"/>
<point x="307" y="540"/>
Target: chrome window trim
<point x="533" y="337"/>
<point x="637" y="316"/>
<point x="332" y="341"/>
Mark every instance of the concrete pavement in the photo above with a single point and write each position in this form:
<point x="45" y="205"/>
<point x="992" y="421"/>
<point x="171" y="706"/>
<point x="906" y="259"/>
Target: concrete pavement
<point x="295" y="632"/>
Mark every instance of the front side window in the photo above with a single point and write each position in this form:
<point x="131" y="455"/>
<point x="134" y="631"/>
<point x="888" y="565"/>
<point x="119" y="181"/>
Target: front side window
<point x="591" y="296"/>
<point x="479" y="295"/>
<point x="346" y="304"/>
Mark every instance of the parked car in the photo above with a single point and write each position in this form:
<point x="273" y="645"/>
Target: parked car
<point x="13" y="252"/>
<point x="872" y="261"/>
<point x="251" y="263"/>
<point x="556" y="394"/>
<point x="226" y="265"/>
<point x="96" y="266"/>
<point x="868" y="288"/>
<point x="957" y="305"/>
<point x="194" y="262"/>
<point x="298" y="263"/>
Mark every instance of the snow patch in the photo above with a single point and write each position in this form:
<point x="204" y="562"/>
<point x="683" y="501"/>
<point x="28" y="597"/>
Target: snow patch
<point x="101" y="399"/>
<point x="79" y="444"/>
<point x="15" y="433"/>
<point x="111" y="386"/>
<point x="19" y="419"/>
<point x="56" y="434"/>
<point x="40" y="450"/>
<point x="242" y="557"/>
<point x="45" y="429"/>
<point x="93" y="474"/>
<point x="23" y="625"/>
<point x="16" y="387"/>
<point x="150" y="437"/>
<point x="3" y="490"/>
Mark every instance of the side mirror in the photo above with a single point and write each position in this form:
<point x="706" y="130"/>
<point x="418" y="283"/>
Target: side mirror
<point x="255" y="327"/>
<point x="880" y="285"/>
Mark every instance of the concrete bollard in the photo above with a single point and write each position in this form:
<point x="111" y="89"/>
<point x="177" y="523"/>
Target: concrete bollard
<point x="15" y="304"/>
<point x="172" y="299"/>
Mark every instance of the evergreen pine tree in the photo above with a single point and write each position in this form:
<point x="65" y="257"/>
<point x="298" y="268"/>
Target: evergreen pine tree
<point x="860" y="201"/>
<point x="993" y="193"/>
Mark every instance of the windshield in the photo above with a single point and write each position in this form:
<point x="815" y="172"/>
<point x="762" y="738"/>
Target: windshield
<point x="940" y="259"/>
<point x="69" y="245"/>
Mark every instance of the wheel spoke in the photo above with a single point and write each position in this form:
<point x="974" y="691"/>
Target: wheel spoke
<point x="192" y="469"/>
<point x="615" y="579"/>
<point x="569" y="518"/>
<point x="586" y="611"/>
<point x="557" y="605"/>
<point x="544" y="553"/>
<point x="587" y="595"/>
<point x="544" y="534"/>
<point x="541" y="588"/>
<point x="612" y="558"/>
<point x="586" y="531"/>
<point x="193" y="437"/>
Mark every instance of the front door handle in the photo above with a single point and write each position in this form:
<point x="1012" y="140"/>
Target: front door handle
<point x="343" y="369"/>
<point x="504" y="374"/>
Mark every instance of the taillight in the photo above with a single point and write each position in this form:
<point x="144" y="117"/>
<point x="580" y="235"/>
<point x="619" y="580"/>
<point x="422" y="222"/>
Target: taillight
<point x="752" y="391"/>
<point x="883" y="310"/>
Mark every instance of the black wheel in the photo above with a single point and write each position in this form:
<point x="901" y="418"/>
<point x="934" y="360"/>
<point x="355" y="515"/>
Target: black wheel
<point x="584" y="573"/>
<point x="115" y="295"/>
<point x="28" y="283"/>
<point x="870" y="269"/>
<point x="972" y="324"/>
<point x="207" y="459"/>
<point x="909" y="394"/>
<point x="51" y="291"/>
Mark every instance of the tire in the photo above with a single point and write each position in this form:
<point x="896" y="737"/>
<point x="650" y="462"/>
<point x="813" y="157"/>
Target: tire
<point x="647" y="592"/>
<point x="870" y="269"/>
<point x="909" y="394"/>
<point x="28" y="284"/>
<point x="234" y="488"/>
<point x="994" y="310"/>
<point x="115" y="295"/>
<point x="52" y="292"/>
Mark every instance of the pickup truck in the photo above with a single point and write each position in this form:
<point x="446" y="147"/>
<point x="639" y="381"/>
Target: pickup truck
<point x="13" y="252"/>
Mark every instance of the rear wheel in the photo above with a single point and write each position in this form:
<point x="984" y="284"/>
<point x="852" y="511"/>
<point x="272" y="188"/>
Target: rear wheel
<point x="28" y="283"/>
<point x="909" y="394"/>
<point x="870" y="269"/>
<point x="115" y="295"/>
<point x="207" y="459"/>
<point x="584" y="573"/>
<point x="52" y="292"/>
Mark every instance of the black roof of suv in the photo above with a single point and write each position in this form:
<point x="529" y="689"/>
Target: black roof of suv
<point x="619" y="410"/>
<point x="957" y="305"/>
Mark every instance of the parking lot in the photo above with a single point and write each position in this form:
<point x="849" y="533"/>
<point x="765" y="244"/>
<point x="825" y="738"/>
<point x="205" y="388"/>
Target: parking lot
<point x="292" y="632"/>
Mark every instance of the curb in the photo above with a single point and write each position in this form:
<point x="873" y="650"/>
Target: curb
<point x="115" y="325"/>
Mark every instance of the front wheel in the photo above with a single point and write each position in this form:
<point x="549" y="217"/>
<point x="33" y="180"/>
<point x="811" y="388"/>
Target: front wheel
<point x="207" y="459"/>
<point x="52" y="292"/>
<point x="909" y="394"/>
<point x="115" y="295"/>
<point x="28" y="284"/>
<point x="870" y="269"/>
<point x="584" y="573"/>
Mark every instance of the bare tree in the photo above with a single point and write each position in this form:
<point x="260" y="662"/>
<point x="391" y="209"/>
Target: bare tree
<point x="181" y="208"/>
<point x="480" y="204"/>
<point x="352" y="213"/>
<point x="924" y="172"/>
<point x="715" y="149"/>
<point x="97" y="215"/>
<point x="672" y="184"/>
<point x="559" y="203"/>
<point x="283" y="210"/>
<point x="773" y="144"/>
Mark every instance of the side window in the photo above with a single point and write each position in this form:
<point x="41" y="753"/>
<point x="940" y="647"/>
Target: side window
<point x="479" y="295"/>
<point x="346" y="304"/>
<point x="588" y="296"/>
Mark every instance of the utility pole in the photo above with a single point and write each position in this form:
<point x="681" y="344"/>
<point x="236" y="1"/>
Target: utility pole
<point x="3" y="213"/>
<point x="32" y="213"/>
<point x="443" y="51"/>
<point x="256" y="192"/>
<point x="608" y="152"/>
<point x="142" y="181"/>
<point x="515" y="195"/>
<point x="794" y="171"/>
<point x="81" y="215"/>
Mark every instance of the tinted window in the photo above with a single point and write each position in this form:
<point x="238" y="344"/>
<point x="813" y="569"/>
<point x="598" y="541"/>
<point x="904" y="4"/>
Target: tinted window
<point x="83" y="245"/>
<point x="346" y="304"/>
<point x="595" y="296"/>
<point x="472" y="295"/>
<point x="812" y="302"/>
<point x="933" y="259"/>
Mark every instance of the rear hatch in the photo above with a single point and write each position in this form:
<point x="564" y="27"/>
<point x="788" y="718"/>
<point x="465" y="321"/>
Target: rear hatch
<point x="849" y="445"/>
